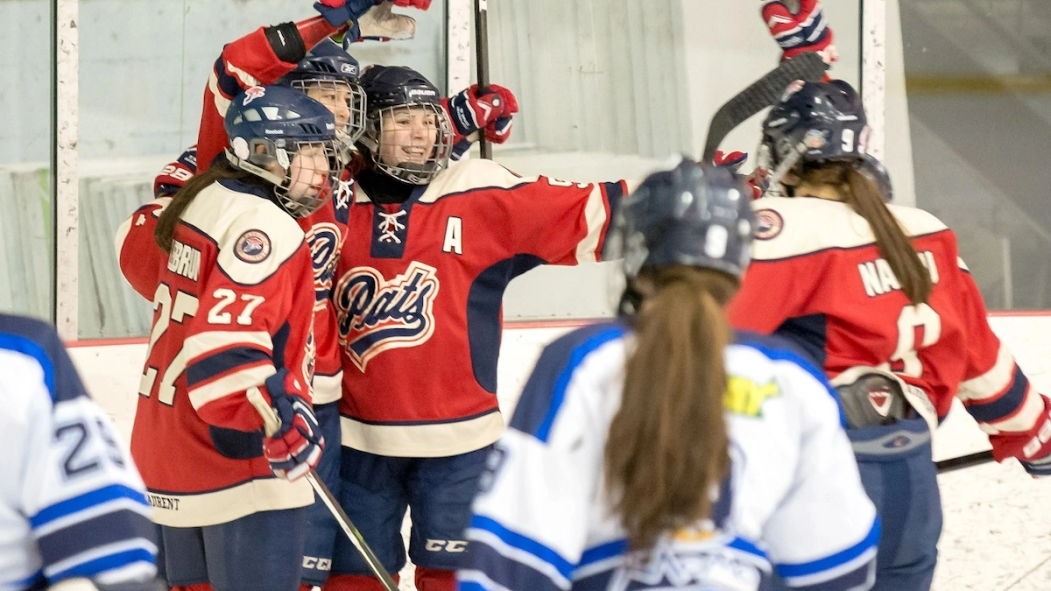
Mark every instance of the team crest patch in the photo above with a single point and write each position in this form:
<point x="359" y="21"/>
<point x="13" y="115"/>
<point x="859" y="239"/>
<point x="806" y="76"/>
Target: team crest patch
<point x="768" y="224"/>
<point x="376" y="314"/>
<point x="253" y="246"/>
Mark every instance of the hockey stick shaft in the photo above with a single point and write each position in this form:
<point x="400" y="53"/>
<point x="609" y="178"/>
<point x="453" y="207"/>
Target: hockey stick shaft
<point x="481" y="52"/>
<point x="272" y="424"/>
<point x="965" y="461"/>
<point x="765" y="92"/>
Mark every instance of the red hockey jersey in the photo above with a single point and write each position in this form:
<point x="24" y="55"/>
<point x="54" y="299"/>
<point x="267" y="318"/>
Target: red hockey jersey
<point x="817" y="277"/>
<point x="232" y="304"/>
<point x="418" y="298"/>
<point x="141" y="260"/>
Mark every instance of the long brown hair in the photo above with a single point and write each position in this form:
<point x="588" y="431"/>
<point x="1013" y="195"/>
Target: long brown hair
<point x="668" y="444"/>
<point x="220" y="169"/>
<point x="863" y="194"/>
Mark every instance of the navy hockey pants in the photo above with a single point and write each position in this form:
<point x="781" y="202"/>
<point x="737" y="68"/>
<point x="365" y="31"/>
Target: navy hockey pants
<point x="322" y="529"/>
<point x="258" y="552"/>
<point x="900" y="477"/>
<point x="376" y="492"/>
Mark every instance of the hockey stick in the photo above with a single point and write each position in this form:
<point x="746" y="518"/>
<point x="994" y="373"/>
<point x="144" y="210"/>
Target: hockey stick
<point x="965" y="461"/>
<point x="761" y="94"/>
<point x="481" y="52"/>
<point x="273" y="423"/>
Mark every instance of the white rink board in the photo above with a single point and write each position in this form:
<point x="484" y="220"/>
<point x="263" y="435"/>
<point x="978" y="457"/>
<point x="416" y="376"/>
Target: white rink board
<point x="997" y="534"/>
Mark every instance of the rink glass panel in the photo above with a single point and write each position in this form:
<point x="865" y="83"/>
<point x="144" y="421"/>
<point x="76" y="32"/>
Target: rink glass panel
<point x="978" y="80"/>
<point x="143" y="69"/>
<point x="25" y="138"/>
<point x="613" y="89"/>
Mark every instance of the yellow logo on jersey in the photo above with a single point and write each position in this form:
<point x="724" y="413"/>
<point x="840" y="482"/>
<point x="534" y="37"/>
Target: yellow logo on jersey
<point x="745" y="397"/>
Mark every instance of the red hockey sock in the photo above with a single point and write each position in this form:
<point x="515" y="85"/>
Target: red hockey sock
<point x="355" y="583"/>
<point x="199" y="587"/>
<point x="433" y="579"/>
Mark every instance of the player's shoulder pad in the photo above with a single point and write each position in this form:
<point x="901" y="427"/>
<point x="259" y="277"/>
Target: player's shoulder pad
<point x="545" y="391"/>
<point x="764" y="366"/>
<point x="255" y="237"/>
<point x="795" y="226"/>
<point x="38" y="342"/>
<point x="472" y="175"/>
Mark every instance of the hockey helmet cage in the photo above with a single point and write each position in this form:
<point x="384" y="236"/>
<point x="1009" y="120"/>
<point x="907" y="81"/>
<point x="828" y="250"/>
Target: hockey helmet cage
<point x="267" y="126"/>
<point x="329" y="67"/>
<point x="392" y="88"/>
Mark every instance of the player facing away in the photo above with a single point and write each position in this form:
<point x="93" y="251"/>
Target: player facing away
<point x="420" y="279"/>
<point x="73" y="512"/>
<point x="879" y="296"/>
<point x="662" y="451"/>
<point x="233" y="314"/>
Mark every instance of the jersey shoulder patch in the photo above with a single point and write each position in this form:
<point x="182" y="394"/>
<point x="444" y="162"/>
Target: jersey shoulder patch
<point x="254" y="236"/>
<point x="469" y="175"/>
<point x="797" y="226"/>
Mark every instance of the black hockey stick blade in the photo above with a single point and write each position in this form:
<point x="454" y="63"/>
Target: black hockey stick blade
<point x="762" y="93"/>
<point x="962" y="462"/>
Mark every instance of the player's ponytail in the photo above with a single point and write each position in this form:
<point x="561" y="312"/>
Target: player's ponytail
<point x="668" y="444"/>
<point x="164" y="233"/>
<point x="863" y="195"/>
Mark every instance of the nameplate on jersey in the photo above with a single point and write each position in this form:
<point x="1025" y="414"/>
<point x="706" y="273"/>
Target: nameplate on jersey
<point x="878" y="278"/>
<point x="376" y="314"/>
<point x="184" y="260"/>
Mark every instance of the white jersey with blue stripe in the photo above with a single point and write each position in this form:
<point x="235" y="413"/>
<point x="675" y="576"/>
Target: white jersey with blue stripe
<point x="794" y="501"/>
<point x="71" y="502"/>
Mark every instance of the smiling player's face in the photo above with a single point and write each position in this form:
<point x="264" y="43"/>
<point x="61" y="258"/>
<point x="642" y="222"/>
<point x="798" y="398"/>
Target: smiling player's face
<point x="409" y="135"/>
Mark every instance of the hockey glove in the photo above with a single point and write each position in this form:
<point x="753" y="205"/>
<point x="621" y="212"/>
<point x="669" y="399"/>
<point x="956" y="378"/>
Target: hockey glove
<point x="757" y="181"/>
<point x="295" y="448"/>
<point x="732" y="160"/>
<point x="806" y="30"/>
<point x="176" y="174"/>
<point x="338" y="12"/>
<point x="420" y="4"/>
<point x="1032" y="448"/>
<point x="471" y="111"/>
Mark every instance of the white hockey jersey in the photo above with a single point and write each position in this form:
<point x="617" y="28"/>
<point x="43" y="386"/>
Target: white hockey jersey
<point x="794" y="500"/>
<point x="71" y="501"/>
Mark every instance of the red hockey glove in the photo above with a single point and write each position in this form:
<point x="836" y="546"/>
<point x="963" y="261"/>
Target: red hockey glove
<point x="296" y="447"/>
<point x="1032" y="448"/>
<point x="731" y="160"/>
<point x="807" y="30"/>
<point x="491" y="110"/>
<point x="420" y="4"/>
<point x="757" y="181"/>
<point x="176" y="174"/>
<point x="338" y="12"/>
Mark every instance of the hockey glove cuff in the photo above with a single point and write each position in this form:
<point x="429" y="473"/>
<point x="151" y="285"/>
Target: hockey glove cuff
<point x="295" y="448"/>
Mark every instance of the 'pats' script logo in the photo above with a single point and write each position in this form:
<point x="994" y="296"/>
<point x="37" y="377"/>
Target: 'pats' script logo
<point x="376" y="314"/>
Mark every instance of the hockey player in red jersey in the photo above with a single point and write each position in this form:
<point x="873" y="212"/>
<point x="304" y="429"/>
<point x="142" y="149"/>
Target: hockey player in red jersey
<point x="878" y="295"/>
<point x="420" y="279"/>
<point x="233" y="314"/>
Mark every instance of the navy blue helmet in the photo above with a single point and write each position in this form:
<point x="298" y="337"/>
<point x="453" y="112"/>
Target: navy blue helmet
<point x="695" y="214"/>
<point x="268" y="127"/>
<point x="392" y="93"/>
<point x="875" y="170"/>
<point x="816" y="122"/>
<point x="330" y="75"/>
